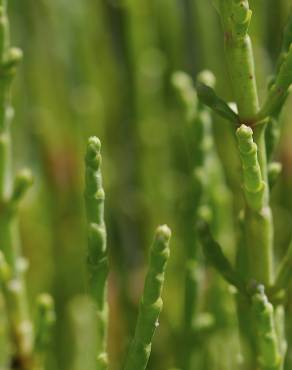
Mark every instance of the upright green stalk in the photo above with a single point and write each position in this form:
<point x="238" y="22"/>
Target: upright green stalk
<point x="9" y="58"/>
<point x="14" y="290"/>
<point x="236" y="16"/>
<point x="151" y="302"/>
<point x="258" y="214"/>
<point x="255" y="259"/>
<point x="269" y="356"/>
<point x="196" y="139"/>
<point x="97" y="261"/>
<point x="206" y="192"/>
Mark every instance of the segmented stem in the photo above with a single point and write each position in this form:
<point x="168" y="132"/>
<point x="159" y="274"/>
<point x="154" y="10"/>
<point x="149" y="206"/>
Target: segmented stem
<point x="14" y="293"/>
<point x="97" y="261"/>
<point x="196" y="130"/>
<point x="236" y="17"/>
<point x="14" y="289"/>
<point x="151" y="302"/>
<point x="268" y="351"/>
<point x="254" y="186"/>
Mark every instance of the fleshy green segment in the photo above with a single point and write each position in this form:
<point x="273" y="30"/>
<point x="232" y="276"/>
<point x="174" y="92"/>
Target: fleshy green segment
<point x="269" y="355"/>
<point x="241" y="17"/>
<point x="97" y="261"/>
<point x="236" y="16"/>
<point x="254" y="186"/>
<point x="151" y="302"/>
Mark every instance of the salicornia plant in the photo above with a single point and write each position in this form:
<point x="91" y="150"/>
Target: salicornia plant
<point x="260" y="314"/>
<point x="151" y="302"/>
<point x="26" y="345"/>
<point x="139" y="74"/>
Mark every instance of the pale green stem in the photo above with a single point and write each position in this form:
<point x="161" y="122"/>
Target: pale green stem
<point x="236" y="17"/>
<point x="198" y="123"/>
<point x="258" y="224"/>
<point x="269" y="356"/>
<point x="14" y="290"/>
<point x="254" y="186"/>
<point x="187" y="95"/>
<point x="151" y="302"/>
<point x="97" y="261"/>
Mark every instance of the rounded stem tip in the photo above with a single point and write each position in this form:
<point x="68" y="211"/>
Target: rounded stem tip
<point x="163" y="232"/>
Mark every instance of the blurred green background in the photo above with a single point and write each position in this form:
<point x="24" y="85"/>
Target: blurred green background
<point x="103" y="67"/>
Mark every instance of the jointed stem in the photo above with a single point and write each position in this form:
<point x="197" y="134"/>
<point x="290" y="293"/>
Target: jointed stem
<point x="236" y="17"/>
<point x="97" y="252"/>
<point x="14" y="288"/>
<point x="257" y="226"/>
<point x="151" y="302"/>
<point x="268" y="348"/>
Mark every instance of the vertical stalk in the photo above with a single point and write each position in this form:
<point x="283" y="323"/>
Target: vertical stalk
<point x="257" y="224"/>
<point x="4" y="104"/>
<point x="97" y="261"/>
<point x="206" y="186"/>
<point x="236" y="17"/>
<point x="151" y="302"/>
<point x="14" y="290"/>
<point x="196" y="139"/>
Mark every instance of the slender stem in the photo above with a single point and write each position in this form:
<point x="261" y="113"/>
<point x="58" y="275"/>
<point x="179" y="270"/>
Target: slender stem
<point x="184" y="87"/>
<point x="236" y="17"/>
<point x="268" y="347"/>
<point x="14" y="290"/>
<point x="151" y="302"/>
<point x="97" y="261"/>
<point x="20" y="326"/>
<point x="44" y="322"/>
<point x="199" y="141"/>
<point x="257" y="227"/>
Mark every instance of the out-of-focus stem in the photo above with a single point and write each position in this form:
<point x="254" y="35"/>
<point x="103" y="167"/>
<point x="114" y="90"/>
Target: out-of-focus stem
<point x="14" y="289"/>
<point x="44" y="322"/>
